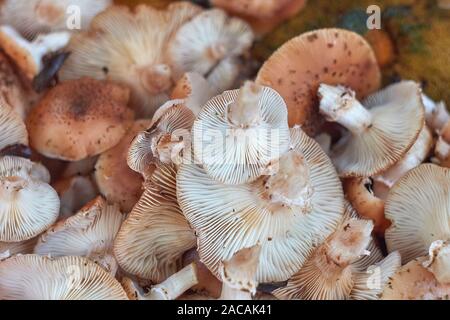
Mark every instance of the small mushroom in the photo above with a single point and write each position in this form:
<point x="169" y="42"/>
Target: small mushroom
<point x="115" y="180"/>
<point x="79" y="119"/>
<point x="418" y="207"/>
<point x="238" y="133"/>
<point x="285" y="213"/>
<point x="238" y="274"/>
<point x="152" y="240"/>
<point x="12" y="127"/>
<point x="130" y="47"/>
<point x="210" y="44"/>
<point x="27" y="55"/>
<point x="295" y="71"/>
<point x="377" y="137"/>
<point x="34" y="277"/>
<point x="89" y="233"/>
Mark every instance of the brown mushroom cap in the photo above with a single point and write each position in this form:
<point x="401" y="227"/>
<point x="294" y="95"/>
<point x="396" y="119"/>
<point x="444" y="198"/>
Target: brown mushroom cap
<point x="296" y="69"/>
<point x="115" y="180"/>
<point x="79" y="118"/>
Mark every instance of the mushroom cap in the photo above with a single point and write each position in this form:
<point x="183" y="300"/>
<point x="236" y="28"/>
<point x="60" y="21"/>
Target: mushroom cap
<point x="388" y="138"/>
<point x="9" y="249"/>
<point x="171" y="124"/>
<point x="12" y="127"/>
<point x="79" y="119"/>
<point x="414" y="282"/>
<point x="418" y="206"/>
<point x="89" y="233"/>
<point x="201" y="44"/>
<point x="115" y="180"/>
<point x="227" y="218"/>
<point x="234" y="154"/>
<point x="129" y="47"/>
<point x="24" y="168"/>
<point x="295" y="71"/>
<point x="155" y="235"/>
<point x="34" y="277"/>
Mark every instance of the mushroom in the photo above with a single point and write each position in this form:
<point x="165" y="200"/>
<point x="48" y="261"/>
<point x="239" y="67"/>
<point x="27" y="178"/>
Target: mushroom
<point x="195" y="90"/>
<point x="12" y="127"/>
<point x="328" y="273"/>
<point x="29" y="55"/>
<point x="31" y="277"/>
<point x="9" y="249"/>
<point x="115" y="180"/>
<point x="377" y="138"/>
<point x="89" y="233"/>
<point x="295" y="71"/>
<point x="152" y="240"/>
<point x="32" y="17"/>
<point x="74" y="193"/>
<point x="167" y="140"/>
<point x="286" y="213"/>
<point x="28" y="205"/>
<point x="129" y="47"/>
<point x="79" y="168"/>
<point x="238" y="133"/>
<point x="262" y="15"/>
<point x="210" y="44"/>
<point x="238" y="274"/>
<point x="418" y="207"/>
<point x="442" y="148"/>
<point x="79" y="119"/>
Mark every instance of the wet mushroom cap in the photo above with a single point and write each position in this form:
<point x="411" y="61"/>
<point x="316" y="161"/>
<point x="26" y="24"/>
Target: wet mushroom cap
<point x="79" y="118"/>
<point x="63" y="278"/>
<point x="418" y="206"/>
<point x="295" y="71"/>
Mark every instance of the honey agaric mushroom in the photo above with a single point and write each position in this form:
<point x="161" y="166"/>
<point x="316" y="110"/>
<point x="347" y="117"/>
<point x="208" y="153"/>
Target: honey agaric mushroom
<point x="32" y="17"/>
<point x="329" y="271"/>
<point x="152" y="240"/>
<point x="210" y="44"/>
<point x="12" y="127"/>
<point x="28" y="55"/>
<point x="115" y="180"/>
<point x="377" y="138"/>
<point x="89" y="233"/>
<point x="79" y="119"/>
<point x="238" y="274"/>
<point x="28" y="204"/>
<point x="31" y="277"/>
<point x="9" y="249"/>
<point x="167" y="140"/>
<point x="418" y="206"/>
<point x="262" y="15"/>
<point x="74" y="193"/>
<point x="295" y="71"/>
<point x="195" y="90"/>
<point x="285" y="213"/>
<point x="143" y="35"/>
<point x="238" y="133"/>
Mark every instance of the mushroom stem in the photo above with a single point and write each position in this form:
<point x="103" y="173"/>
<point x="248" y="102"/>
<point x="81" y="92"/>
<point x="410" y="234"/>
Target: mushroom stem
<point x="229" y="293"/>
<point x="216" y="51"/>
<point x="439" y="261"/>
<point x="436" y="114"/>
<point x="175" y="285"/>
<point x="290" y="184"/>
<point x="338" y="104"/>
<point x="442" y="152"/>
<point x="245" y="111"/>
<point x="156" y="78"/>
<point x="165" y="149"/>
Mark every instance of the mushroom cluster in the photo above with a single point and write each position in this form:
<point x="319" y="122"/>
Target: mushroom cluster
<point x="140" y="159"/>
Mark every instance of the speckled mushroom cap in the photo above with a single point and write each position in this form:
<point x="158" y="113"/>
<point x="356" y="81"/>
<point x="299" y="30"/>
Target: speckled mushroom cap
<point x="89" y="233"/>
<point x="377" y="137"/>
<point x="286" y="213"/>
<point x="202" y="44"/>
<point x="63" y="278"/>
<point x="154" y="237"/>
<point x="143" y="34"/>
<point x="419" y="207"/>
<point x="296" y="69"/>
<point x="79" y="118"/>
<point x="115" y="180"/>
<point x="12" y="127"/>
<point x="42" y="16"/>
<point x="239" y="132"/>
